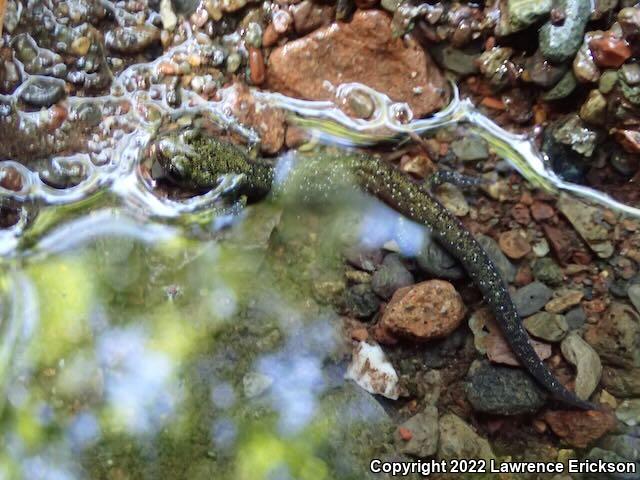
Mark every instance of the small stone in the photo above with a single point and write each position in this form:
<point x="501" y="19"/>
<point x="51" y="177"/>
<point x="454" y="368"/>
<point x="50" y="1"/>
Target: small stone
<point x="558" y="43"/>
<point x="562" y="89"/>
<point x="514" y="243"/>
<point x="80" y="46"/>
<point x="630" y="73"/>
<point x="587" y="362"/>
<point x="370" y="369"/>
<point x="470" y="148"/>
<point x="565" y="301"/>
<point x="129" y="40"/>
<point x="531" y="298"/>
<point x="167" y="15"/>
<point x="362" y="258"/>
<point x="281" y="21"/>
<point x="503" y="391"/>
<point x="428" y="310"/>
<point x="608" y="81"/>
<point x="361" y="104"/>
<point x="436" y="261"/>
<point x="462" y="62"/>
<point x="580" y="428"/>
<point x="560" y="242"/>
<point x="505" y="267"/>
<point x="634" y="295"/>
<point x="541" y="249"/>
<point x="522" y="13"/>
<point x="541" y="211"/>
<point x="609" y="51"/>
<point x="585" y="219"/>
<point x="547" y="326"/>
<point x="391" y="276"/>
<point x="256" y="65"/>
<point x="576" y="318"/>
<point x="623" y="383"/>
<point x="459" y="440"/>
<point x="616" y="336"/>
<point x="594" y="108"/>
<point x="360" y="301"/>
<point x="629" y="412"/>
<point x="42" y="91"/>
<point x="546" y="270"/>
<point x="453" y="199"/>
<point x="424" y="431"/>
<point x="255" y="384"/>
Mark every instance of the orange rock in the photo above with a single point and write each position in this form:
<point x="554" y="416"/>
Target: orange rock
<point x="493" y="103"/>
<point x="580" y="428"/>
<point x="609" y="51"/>
<point x="520" y="213"/>
<point x="256" y="66"/>
<point x="514" y="244"/>
<point x="427" y="310"/>
<point x="541" y="211"/>
<point x="363" y="51"/>
<point x="629" y="139"/>
<point x="405" y="433"/>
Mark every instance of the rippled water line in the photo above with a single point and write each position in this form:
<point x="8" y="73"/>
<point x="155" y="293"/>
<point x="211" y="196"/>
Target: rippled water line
<point x="519" y="150"/>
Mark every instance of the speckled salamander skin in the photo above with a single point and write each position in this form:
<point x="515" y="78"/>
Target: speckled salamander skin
<point x="414" y="201"/>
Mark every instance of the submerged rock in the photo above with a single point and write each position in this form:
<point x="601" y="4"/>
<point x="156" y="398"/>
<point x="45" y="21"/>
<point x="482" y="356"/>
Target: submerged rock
<point x="505" y="267"/>
<point x="391" y="276"/>
<point x="531" y="298"/>
<point x="428" y="310"/>
<point x="370" y="369"/>
<point x="42" y="91"/>
<point x="580" y="428"/>
<point x="435" y="260"/>
<point x="616" y="336"/>
<point x="470" y="148"/>
<point x="560" y="42"/>
<point x="360" y="51"/>
<point x="547" y="326"/>
<point x="459" y="440"/>
<point x="622" y="382"/>
<point x="503" y="391"/>
<point x="587" y="362"/>
<point x="419" y="435"/>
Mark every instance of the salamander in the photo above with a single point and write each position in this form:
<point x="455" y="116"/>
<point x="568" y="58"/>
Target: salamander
<point x="203" y="159"/>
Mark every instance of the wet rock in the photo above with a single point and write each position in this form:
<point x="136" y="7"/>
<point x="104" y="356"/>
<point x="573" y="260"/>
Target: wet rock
<point x="546" y="270"/>
<point x="562" y="89"/>
<point x="577" y="135"/>
<point x="541" y="211"/>
<point x="360" y="301"/>
<point x="616" y="336"/>
<point x="626" y="446"/>
<point x="428" y="310"/>
<point x="609" y="51"/>
<point x="514" y="243"/>
<point x="167" y="15"/>
<point x="470" y="148"/>
<point x="436" y="261"/>
<point x="505" y="267"/>
<point x="559" y="43"/>
<point x="269" y="122"/>
<point x="587" y="362"/>
<point x="129" y="40"/>
<point x="308" y="16"/>
<point x="453" y="199"/>
<point x="586" y="220"/>
<point x="531" y="298"/>
<point x="593" y="110"/>
<point x="391" y="276"/>
<point x="564" y="301"/>
<point x="10" y="76"/>
<point x="576" y="318"/>
<point x="423" y="432"/>
<point x="580" y="428"/>
<point x="42" y="91"/>
<point x="547" y="326"/>
<point x="519" y="14"/>
<point x="623" y="383"/>
<point x="360" y="51"/>
<point x="495" y="66"/>
<point x="629" y="412"/>
<point x="370" y="369"/>
<point x="459" y="440"/>
<point x="542" y="72"/>
<point x="584" y="65"/>
<point x="634" y="295"/>
<point x="462" y="62"/>
<point x="608" y="81"/>
<point x="364" y="259"/>
<point x="503" y="391"/>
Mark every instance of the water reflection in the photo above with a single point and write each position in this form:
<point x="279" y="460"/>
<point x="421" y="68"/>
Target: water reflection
<point x="131" y="351"/>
